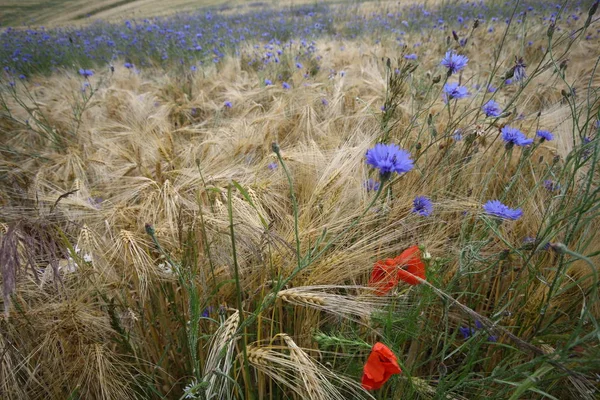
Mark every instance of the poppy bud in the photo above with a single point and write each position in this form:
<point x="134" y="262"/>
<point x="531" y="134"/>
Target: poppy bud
<point x="275" y="147"/>
<point x="594" y="8"/>
<point x="551" y="28"/>
<point x="149" y="229"/>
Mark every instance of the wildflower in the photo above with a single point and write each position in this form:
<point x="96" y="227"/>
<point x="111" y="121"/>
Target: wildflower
<point x="545" y="135"/>
<point x="389" y="158"/>
<point x="519" y="69"/>
<point x="380" y="366"/>
<point x="384" y="276"/>
<point x="531" y="242"/>
<point x="272" y="166"/>
<point x="492" y="109"/>
<point x="454" y="91"/>
<point x="268" y="82"/>
<point x="410" y="56"/>
<point x="497" y="209"/>
<point x="228" y="104"/>
<point x="454" y="62"/>
<point x="412" y="266"/>
<point x="422" y="206"/>
<point x="298" y="65"/>
<point x="192" y="390"/>
<point x="466" y="331"/>
<point x="371" y="185"/>
<point x="551" y="186"/>
<point x="86" y="73"/>
<point x="586" y="152"/>
<point x="128" y="65"/>
<point x="407" y="267"/>
<point x="285" y="85"/>
<point x="324" y="102"/>
<point x="513" y="136"/>
<point x="207" y="311"/>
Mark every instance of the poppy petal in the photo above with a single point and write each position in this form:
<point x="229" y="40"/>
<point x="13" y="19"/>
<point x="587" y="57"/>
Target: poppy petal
<point x="384" y="276"/>
<point x="380" y="366"/>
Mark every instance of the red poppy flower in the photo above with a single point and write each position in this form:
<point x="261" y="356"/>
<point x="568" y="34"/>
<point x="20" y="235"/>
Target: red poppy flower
<point x="411" y="266"/>
<point x="406" y="267"/>
<point x="380" y="366"/>
<point x="384" y="276"/>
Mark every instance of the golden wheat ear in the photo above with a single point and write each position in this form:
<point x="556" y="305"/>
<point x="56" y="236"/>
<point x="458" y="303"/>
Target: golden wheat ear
<point x="293" y="369"/>
<point x="130" y="249"/>
<point x="220" y="359"/>
<point x="356" y="303"/>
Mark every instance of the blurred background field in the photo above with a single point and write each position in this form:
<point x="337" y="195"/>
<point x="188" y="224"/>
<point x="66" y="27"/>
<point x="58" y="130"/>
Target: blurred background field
<point x="53" y="13"/>
<point x="186" y="210"/>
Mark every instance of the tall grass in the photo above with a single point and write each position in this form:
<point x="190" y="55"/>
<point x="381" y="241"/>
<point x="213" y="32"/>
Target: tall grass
<point x="155" y="243"/>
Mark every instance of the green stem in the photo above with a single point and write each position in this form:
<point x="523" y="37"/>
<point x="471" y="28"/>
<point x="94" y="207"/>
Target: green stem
<point x="239" y="294"/>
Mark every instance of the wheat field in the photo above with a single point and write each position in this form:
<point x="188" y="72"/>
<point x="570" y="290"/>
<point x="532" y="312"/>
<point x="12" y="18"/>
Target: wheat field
<point x="206" y="225"/>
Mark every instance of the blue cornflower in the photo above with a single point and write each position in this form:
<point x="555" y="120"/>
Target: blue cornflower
<point x="454" y="91"/>
<point x="410" y="56"/>
<point x="298" y="65"/>
<point x="497" y="209"/>
<point x="388" y="158"/>
<point x="513" y="136"/>
<point x="458" y="135"/>
<point x="422" y="205"/>
<point x="531" y="242"/>
<point x="207" y="311"/>
<point x="268" y="82"/>
<point x="371" y="185"/>
<point x="272" y="166"/>
<point x="454" y="62"/>
<point x="466" y="331"/>
<point x="492" y="109"/>
<point x="285" y="85"/>
<point x="128" y="65"/>
<point x="545" y="135"/>
<point x="324" y="102"/>
<point x="519" y="70"/>
<point x="228" y="104"/>
<point x="86" y="73"/>
<point x="551" y="186"/>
